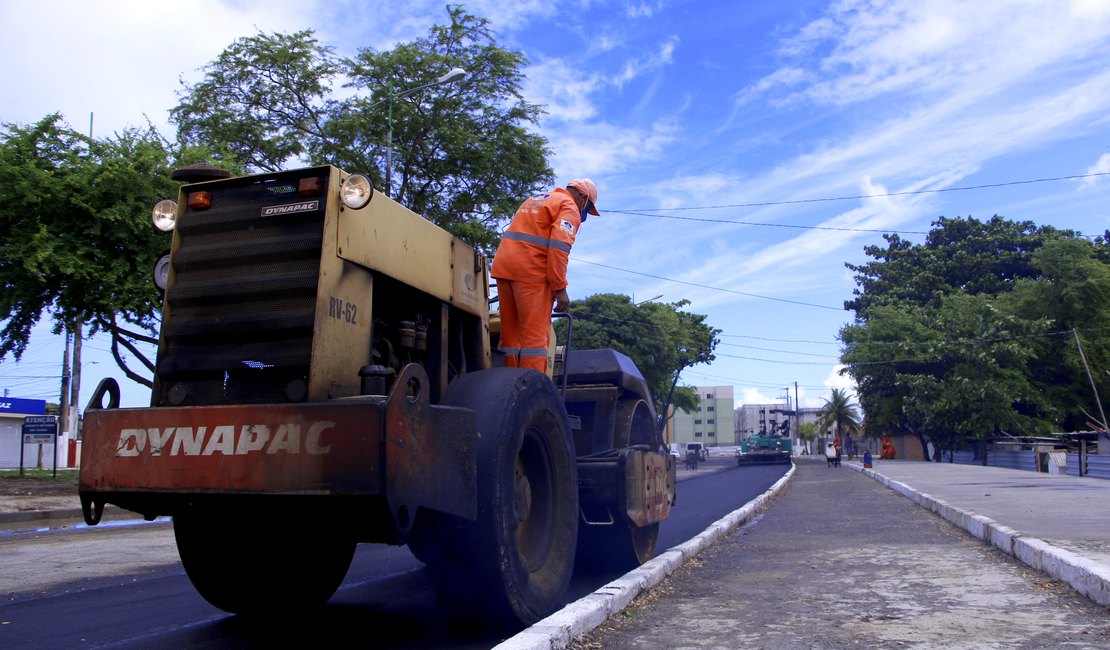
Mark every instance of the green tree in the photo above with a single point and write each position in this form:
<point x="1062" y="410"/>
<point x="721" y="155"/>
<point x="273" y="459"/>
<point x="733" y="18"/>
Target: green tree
<point x="877" y="354"/>
<point x="264" y="99"/>
<point x="660" y="338"/>
<point x="1073" y="293"/>
<point x="969" y="334"/>
<point x="462" y="154"/>
<point x="808" y="434"/>
<point x="839" y="414"/>
<point x="959" y="254"/>
<point x="78" y="242"/>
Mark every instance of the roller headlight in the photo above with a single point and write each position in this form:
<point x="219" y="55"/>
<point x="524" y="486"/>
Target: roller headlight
<point x="162" y="272"/>
<point x="356" y="191"/>
<point x="164" y="215"/>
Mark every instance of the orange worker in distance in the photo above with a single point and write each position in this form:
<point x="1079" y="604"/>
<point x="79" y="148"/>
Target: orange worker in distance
<point x="530" y="267"/>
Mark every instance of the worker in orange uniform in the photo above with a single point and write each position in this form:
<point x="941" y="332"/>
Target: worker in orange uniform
<point x="887" y="451"/>
<point x="530" y="267"/>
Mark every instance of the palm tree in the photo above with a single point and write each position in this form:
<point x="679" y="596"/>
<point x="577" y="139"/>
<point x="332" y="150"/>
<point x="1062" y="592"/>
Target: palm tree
<point x="839" y="414"/>
<point x="807" y="433"/>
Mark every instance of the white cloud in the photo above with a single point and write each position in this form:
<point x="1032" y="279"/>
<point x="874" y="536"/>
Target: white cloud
<point x="1100" y="167"/>
<point x="843" y="382"/>
<point x="754" y="396"/>
<point x="593" y="149"/>
<point x="863" y="50"/>
<point x="642" y="9"/>
<point x="122" y="60"/>
<point x="562" y="91"/>
<point x="568" y="91"/>
<point x="635" y="68"/>
<point x="688" y="190"/>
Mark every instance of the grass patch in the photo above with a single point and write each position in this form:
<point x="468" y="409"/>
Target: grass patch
<point x="64" y="475"/>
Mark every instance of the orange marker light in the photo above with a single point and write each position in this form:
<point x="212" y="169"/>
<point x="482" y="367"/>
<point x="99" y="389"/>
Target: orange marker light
<point x="310" y="186"/>
<point x="200" y="200"/>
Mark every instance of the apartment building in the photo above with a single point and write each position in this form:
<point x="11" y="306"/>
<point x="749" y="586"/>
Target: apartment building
<point x="711" y="424"/>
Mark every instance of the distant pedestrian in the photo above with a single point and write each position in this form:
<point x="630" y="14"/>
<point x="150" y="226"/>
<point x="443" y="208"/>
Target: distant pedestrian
<point x="887" y="450"/>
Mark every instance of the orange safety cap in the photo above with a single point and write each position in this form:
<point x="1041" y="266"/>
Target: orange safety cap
<point x="587" y="187"/>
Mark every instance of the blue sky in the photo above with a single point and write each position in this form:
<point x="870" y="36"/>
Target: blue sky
<point x="727" y="138"/>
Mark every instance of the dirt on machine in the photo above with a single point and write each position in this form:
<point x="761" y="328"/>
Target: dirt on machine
<point x="327" y="376"/>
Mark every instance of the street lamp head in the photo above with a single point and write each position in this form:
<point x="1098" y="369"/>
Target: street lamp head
<point x="454" y="74"/>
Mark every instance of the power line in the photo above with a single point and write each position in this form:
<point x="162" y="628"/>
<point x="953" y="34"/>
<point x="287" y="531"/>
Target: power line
<point x="993" y="339"/>
<point x="791" y="363"/>
<point x="643" y="212"/>
<point x="761" y="338"/>
<point x="705" y="286"/>
<point x="949" y="342"/>
<point x="755" y="384"/>
<point x="807" y="354"/>
<point x="758" y="223"/>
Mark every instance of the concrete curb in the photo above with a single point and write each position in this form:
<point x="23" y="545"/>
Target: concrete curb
<point x="65" y="513"/>
<point x="583" y="615"/>
<point x="39" y="515"/>
<point x="1085" y="576"/>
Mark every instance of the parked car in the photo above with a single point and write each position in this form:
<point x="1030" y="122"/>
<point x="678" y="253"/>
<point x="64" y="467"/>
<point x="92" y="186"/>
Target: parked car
<point x="702" y="451"/>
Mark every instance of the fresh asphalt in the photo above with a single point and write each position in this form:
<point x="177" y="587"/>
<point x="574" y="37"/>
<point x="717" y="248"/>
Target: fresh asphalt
<point x="1053" y="523"/>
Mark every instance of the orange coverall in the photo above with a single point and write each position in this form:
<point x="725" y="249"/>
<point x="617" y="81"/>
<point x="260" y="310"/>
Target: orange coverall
<point x="530" y="266"/>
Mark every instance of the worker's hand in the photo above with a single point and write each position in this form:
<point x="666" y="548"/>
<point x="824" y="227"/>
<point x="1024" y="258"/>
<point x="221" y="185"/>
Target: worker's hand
<point x="562" y="300"/>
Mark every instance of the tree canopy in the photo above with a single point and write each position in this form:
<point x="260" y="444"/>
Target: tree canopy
<point x="659" y="337"/>
<point x="462" y="154"/>
<point x="78" y="240"/>
<point x="973" y="333"/>
<point x="264" y="98"/>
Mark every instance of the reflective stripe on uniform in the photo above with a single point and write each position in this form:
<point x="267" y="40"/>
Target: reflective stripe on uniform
<point x="538" y="241"/>
<point x="512" y="352"/>
<point x="533" y="352"/>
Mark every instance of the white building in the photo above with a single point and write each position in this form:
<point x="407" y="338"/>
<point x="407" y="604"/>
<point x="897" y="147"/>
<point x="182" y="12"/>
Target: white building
<point x="710" y="424"/>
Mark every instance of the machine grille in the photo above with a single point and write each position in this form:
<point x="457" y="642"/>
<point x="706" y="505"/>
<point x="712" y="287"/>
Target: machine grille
<point x="240" y="311"/>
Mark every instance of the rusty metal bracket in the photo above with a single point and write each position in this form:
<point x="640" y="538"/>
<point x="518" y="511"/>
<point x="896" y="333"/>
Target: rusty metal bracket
<point x="92" y="509"/>
<point x="430" y="453"/>
<point x="106" y="388"/>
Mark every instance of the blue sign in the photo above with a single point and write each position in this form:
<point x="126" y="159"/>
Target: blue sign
<point x="50" y="420"/>
<point x="16" y="405"/>
<point x="40" y="428"/>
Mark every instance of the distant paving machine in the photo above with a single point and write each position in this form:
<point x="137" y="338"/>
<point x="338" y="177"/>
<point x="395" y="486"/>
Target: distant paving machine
<point x="764" y="448"/>
<point x="325" y="377"/>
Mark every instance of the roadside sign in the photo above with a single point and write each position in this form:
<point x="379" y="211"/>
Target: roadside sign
<point x="40" y="428"/>
<point x="40" y="419"/>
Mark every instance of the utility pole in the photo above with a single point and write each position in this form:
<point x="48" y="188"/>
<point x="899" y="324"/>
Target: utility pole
<point x="797" y="417"/>
<point x="75" y="382"/>
<point x="63" y="399"/>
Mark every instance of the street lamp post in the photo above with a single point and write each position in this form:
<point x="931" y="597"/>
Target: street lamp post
<point x="451" y="76"/>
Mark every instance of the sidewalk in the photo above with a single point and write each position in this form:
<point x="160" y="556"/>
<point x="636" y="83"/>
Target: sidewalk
<point x="1057" y="524"/>
<point x="1054" y="523"/>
